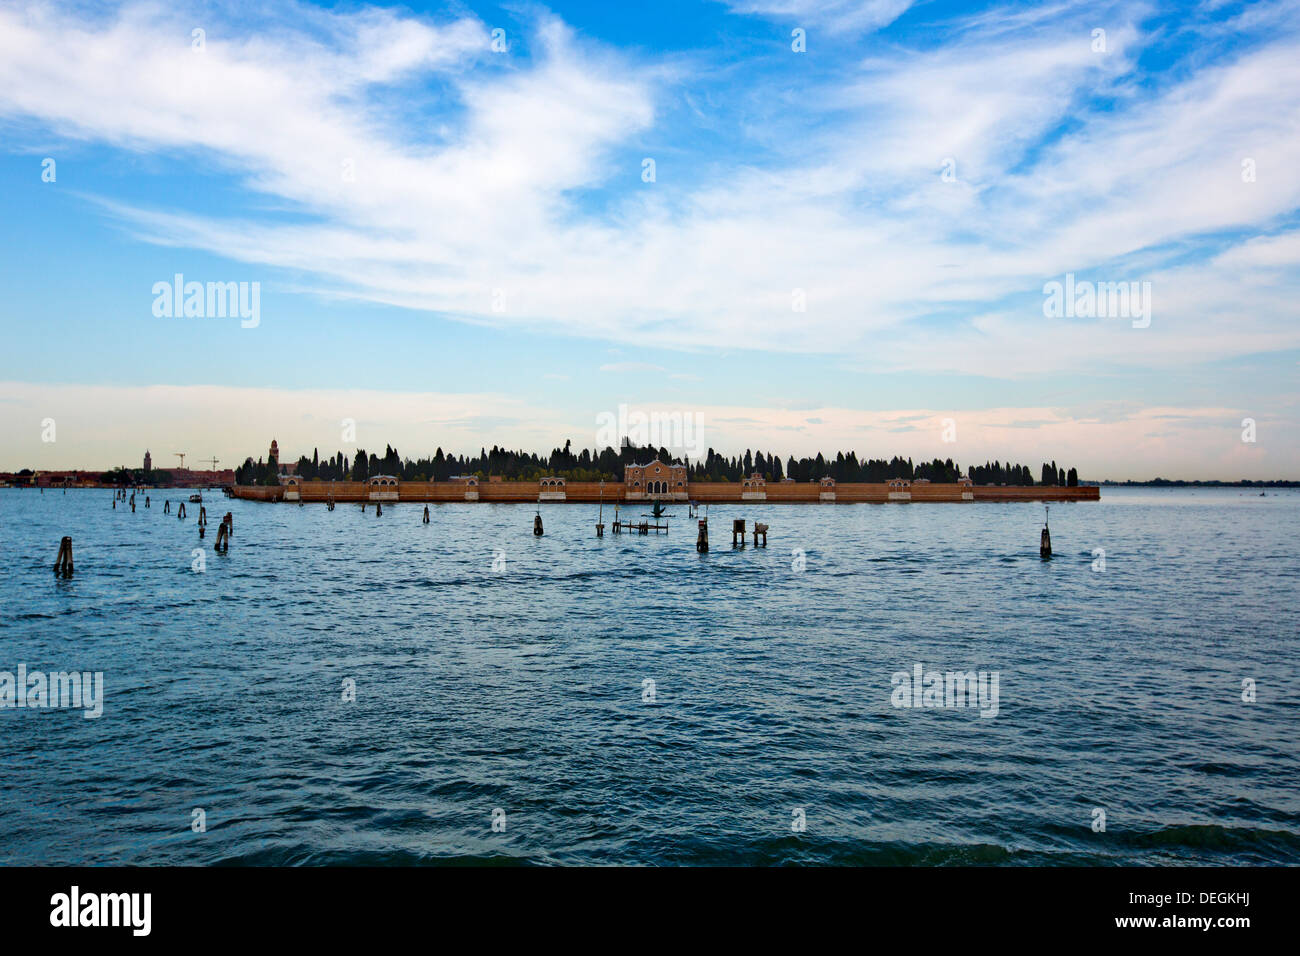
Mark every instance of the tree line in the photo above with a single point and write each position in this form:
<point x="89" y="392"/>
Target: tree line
<point x="608" y="465"/>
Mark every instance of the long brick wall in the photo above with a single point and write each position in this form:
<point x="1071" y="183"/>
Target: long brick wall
<point x="711" y="492"/>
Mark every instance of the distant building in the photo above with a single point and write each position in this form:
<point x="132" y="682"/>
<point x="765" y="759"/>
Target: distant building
<point x="66" y="479"/>
<point x="180" y="478"/>
<point x="552" y="489"/>
<point x="754" y="488"/>
<point x="281" y="468"/>
<point x="148" y="461"/>
<point x="900" y="489"/>
<point x="382" y="487"/>
<point x="655" y="479"/>
<point x="190" y="478"/>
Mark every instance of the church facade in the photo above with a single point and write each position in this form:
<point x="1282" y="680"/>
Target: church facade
<point x="655" y="480"/>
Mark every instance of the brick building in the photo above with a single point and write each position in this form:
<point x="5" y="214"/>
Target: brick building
<point x="655" y="479"/>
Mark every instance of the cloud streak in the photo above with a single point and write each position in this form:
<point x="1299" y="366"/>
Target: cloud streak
<point x="894" y="206"/>
<point x="481" y="223"/>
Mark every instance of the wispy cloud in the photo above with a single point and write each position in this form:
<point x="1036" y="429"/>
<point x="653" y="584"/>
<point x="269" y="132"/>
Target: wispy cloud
<point x="838" y="15"/>
<point x="481" y="222"/>
<point x="631" y="367"/>
<point x="897" y="205"/>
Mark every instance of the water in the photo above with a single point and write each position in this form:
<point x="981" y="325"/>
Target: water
<point x="523" y="689"/>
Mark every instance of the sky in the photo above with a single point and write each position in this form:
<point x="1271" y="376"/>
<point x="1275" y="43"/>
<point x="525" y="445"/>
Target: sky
<point x="798" y="225"/>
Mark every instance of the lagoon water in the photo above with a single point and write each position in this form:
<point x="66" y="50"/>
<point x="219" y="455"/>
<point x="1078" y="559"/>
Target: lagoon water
<point x="523" y="689"/>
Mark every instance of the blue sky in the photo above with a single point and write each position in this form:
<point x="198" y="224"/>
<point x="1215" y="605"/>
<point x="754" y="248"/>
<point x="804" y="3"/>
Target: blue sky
<point x="457" y="246"/>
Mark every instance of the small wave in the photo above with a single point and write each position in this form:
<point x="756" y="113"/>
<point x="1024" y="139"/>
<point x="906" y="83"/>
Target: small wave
<point x="307" y="856"/>
<point x="1213" y="836"/>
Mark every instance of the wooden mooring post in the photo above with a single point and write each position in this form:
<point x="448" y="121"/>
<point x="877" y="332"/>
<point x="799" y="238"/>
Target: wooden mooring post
<point x="1045" y="540"/>
<point x="167" y="507"/>
<point x="738" y="532"/>
<point x="537" y="524"/>
<point x="426" y="514"/>
<point x="223" y="538"/>
<point x="379" y="508"/>
<point x="63" y="563"/>
<point x="760" y="531"/>
<point x="180" y="511"/>
<point x="702" y="542"/>
<point x="600" y="518"/>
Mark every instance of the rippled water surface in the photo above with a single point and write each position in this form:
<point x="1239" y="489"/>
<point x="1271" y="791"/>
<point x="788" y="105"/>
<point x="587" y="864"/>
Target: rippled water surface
<point x="522" y="689"/>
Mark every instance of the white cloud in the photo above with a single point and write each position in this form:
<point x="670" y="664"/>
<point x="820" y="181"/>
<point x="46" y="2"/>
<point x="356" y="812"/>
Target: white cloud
<point x="631" y="367"/>
<point x="838" y="15"/>
<point x="854" y="215"/>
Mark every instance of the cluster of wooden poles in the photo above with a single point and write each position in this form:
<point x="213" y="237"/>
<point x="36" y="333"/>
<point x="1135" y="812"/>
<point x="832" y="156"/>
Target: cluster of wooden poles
<point x="63" y="565"/>
<point x="632" y="527"/>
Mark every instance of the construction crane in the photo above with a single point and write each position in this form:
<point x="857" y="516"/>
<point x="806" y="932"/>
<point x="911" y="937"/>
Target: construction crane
<point x="212" y="461"/>
<point x="181" y="455"/>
